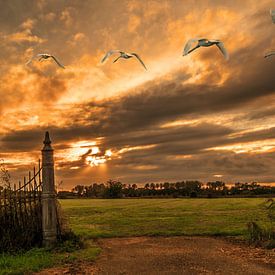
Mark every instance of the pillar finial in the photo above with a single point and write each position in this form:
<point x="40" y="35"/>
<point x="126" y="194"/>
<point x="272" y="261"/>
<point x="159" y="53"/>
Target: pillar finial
<point x="47" y="141"/>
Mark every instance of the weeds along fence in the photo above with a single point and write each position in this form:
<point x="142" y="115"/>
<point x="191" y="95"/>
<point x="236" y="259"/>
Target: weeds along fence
<point x="28" y="210"/>
<point x="21" y="213"/>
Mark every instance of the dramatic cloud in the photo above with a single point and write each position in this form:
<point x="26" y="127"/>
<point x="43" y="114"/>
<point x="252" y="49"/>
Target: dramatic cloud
<point x="192" y="117"/>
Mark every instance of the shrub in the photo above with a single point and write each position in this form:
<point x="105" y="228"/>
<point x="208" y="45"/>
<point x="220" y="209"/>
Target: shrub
<point x="264" y="236"/>
<point x="255" y="232"/>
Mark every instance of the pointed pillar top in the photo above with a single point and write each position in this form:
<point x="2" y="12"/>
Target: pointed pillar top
<point x="47" y="142"/>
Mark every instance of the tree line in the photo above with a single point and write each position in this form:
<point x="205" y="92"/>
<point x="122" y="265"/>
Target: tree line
<point x="193" y="189"/>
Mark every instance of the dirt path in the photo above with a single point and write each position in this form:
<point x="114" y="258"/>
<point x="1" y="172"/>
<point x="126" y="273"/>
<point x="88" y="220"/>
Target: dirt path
<point x="174" y="255"/>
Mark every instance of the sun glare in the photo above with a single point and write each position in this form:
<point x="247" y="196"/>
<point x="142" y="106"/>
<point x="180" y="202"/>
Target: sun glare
<point x="95" y="150"/>
<point x="108" y="153"/>
<point x="89" y="150"/>
<point x="96" y="158"/>
<point x="95" y="161"/>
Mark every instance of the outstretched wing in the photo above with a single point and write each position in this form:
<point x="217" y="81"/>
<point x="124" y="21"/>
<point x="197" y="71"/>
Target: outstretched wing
<point x="220" y="45"/>
<point x="189" y="46"/>
<point x="269" y="54"/>
<point x="137" y="56"/>
<point x="57" y="62"/>
<point x="109" y="53"/>
<point x="30" y="61"/>
<point x="272" y="13"/>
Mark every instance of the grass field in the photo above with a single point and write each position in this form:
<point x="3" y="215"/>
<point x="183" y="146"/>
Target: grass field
<point x="166" y="217"/>
<point x="99" y="218"/>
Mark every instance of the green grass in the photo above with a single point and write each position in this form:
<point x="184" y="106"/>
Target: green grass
<point x="40" y="258"/>
<point x="138" y="217"/>
<point x="166" y="217"/>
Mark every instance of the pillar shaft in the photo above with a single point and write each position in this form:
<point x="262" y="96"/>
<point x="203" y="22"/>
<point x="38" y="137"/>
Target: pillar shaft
<point x="49" y="217"/>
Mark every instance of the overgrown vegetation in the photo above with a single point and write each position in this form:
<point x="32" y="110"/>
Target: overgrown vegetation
<point x="265" y="234"/>
<point x="115" y="189"/>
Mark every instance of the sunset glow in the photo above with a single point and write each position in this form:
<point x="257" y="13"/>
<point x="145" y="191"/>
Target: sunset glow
<point x="186" y="117"/>
<point x="95" y="161"/>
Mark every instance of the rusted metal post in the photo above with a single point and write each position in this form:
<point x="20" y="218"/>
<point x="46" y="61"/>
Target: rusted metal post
<point x="49" y="218"/>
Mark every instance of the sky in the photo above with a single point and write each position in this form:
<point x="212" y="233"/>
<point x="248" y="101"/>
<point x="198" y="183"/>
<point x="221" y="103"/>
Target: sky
<point x="185" y="118"/>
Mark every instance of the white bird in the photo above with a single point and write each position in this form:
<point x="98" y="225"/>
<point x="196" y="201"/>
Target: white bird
<point x="269" y="54"/>
<point x="204" y="43"/>
<point x="41" y="56"/>
<point x="272" y="13"/>
<point x="122" y="55"/>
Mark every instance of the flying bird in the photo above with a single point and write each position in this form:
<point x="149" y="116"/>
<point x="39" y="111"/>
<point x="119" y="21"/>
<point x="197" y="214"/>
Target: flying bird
<point x="204" y="43"/>
<point x="122" y="55"/>
<point x="269" y="54"/>
<point x="42" y="56"/>
<point x="272" y="13"/>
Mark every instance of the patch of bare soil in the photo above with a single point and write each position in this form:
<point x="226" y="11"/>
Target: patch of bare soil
<point x="174" y="255"/>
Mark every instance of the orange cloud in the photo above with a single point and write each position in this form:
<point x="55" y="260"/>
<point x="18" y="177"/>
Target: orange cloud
<point x="184" y="106"/>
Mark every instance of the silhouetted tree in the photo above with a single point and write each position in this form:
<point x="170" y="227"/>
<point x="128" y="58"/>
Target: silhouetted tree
<point x="152" y="186"/>
<point x="79" y="190"/>
<point x="114" y="189"/>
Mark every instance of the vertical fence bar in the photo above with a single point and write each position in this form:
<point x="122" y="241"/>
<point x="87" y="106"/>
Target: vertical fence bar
<point x="25" y="202"/>
<point x="49" y="217"/>
<point x="21" y="219"/>
<point x="0" y="202"/>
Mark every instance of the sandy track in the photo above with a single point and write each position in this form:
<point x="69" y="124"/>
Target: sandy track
<point x="174" y="255"/>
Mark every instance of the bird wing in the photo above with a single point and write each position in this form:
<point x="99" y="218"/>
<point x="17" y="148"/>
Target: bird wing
<point x="57" y="62"/>
<point x="137" y="56"/>
<point x="27" y="63"/>
<point x="189" y="44"/>
<point x="269" y="54"/>
<point x="220" y="45"/>
<point x="272" y="13"/>
<point x="214" y="41"/>
<point x="117" y="59"/>
<point x="109" y="53"/>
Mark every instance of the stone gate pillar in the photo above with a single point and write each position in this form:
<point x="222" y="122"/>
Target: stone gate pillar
<point x="49" y="217"/>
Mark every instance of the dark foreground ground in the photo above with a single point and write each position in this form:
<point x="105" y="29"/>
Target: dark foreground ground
<point x="174" y="255"/>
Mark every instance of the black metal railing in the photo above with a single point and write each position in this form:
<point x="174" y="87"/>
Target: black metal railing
<point x="21" y="213"/>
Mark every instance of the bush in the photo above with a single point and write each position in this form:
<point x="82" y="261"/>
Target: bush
<point x="256" y="233"/>
<point x="69" y="242"/>
<point x="264" y="236"/>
